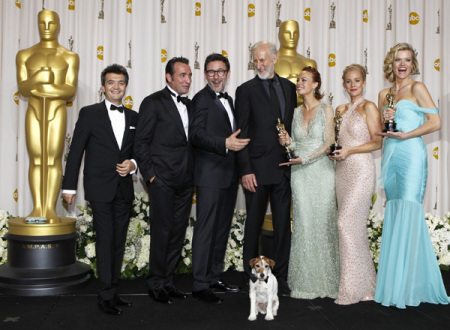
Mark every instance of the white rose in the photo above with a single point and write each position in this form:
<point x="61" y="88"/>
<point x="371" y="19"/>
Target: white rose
<point x="90" y="250"/>
<point x="187" y="261"/>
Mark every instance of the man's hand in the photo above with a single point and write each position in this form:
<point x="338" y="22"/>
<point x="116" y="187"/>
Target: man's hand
<point x="235" y="144"/>
<point x="249" y="182"/>
<point x="69" y="198"/>
<point x="126" y="167"/>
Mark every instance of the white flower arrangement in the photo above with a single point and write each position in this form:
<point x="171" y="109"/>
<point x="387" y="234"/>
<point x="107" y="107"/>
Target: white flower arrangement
<point x="137" y="249"/>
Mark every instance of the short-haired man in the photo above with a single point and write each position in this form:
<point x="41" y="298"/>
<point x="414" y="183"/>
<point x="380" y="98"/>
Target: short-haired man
<point x="213" y="135"/>
<point x="259" y="103"/>
<point x="165" y="160"/>
<point x="104" y="133"/>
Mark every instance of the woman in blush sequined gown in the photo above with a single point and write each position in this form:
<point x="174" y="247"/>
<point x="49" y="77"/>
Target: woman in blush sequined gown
<point x="408" y="272"/>
<point x="314" y="259"/>
<point x="355" y="185"/>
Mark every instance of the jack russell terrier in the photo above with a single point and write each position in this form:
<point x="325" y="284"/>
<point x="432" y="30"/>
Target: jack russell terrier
<point x="263" y="289"/>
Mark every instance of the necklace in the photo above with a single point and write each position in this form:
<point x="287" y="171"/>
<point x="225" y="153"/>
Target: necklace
<point x="397" y="89"/>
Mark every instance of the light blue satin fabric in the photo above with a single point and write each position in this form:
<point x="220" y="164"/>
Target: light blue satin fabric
<point x="408" y="272"/>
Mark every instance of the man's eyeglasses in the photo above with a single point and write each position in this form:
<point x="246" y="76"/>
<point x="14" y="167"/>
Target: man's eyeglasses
<point x="220" y="73"/>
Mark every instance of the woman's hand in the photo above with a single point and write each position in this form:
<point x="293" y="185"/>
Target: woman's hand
<point x="339" y="154"/>
<point x="395" y="135"/>
<point x="284" y="138"/>
<point x="389" y="113"/>
<point x="293" y="161"/>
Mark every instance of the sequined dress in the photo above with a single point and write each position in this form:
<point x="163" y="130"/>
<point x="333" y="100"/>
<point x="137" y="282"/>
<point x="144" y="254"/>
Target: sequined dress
<point x="314" y="259"/>
<point x="408" y="272"/>
<point x="355" y="185"/>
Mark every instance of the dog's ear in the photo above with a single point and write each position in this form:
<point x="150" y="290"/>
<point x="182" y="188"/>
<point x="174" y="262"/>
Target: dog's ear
<point x="271" y="263"/>
<point x="252" y="262"/>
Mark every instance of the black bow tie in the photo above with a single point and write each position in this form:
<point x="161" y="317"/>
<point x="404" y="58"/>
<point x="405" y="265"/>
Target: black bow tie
<point x="113" y="107"/>
<point x="223" y="95"/>
<point x="182" y="99"/>
<point x="254" y="278"/>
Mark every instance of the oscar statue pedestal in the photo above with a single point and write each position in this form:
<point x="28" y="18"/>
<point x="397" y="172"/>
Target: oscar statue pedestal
<point x="42" y="259"/>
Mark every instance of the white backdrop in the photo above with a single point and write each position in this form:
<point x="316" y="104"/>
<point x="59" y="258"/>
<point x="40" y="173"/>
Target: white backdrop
<point x="132" y="32"/>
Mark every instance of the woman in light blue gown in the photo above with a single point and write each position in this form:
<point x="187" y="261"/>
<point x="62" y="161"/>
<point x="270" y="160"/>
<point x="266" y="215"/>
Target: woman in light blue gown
<point x="408" y="272"/>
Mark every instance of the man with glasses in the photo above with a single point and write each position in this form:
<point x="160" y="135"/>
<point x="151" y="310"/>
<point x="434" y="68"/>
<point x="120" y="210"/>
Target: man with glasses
<point x="213" y="135"/>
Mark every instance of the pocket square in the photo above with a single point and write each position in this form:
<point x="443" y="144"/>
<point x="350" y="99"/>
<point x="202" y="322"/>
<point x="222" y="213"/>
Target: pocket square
<point x="132" y="127"/>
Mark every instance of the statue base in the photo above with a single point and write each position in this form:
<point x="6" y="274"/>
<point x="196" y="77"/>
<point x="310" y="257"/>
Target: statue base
<point x="42" y="259"/>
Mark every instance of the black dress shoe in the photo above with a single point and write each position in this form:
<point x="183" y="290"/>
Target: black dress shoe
<point x="222" y="286"/>
<point x="107" y="306"/>
<point x="207" y="296"/>
<point x="283" y="289"/>
<point x="175" y="293"/>
<point x="160" y="296"/>
<point x="119" y="301"/>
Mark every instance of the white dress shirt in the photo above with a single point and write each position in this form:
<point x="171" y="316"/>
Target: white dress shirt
<point x="182" y="109"/>
<point x="117" y="119"/>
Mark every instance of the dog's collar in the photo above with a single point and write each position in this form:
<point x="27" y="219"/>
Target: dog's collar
<point x="253" y="278"/>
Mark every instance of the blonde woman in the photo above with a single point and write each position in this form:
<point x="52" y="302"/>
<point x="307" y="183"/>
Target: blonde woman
<point x="408" y="272"/>
<point x="355" y="185"/>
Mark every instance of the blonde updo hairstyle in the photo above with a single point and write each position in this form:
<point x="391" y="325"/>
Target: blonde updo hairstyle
<point x="388" y="66"/>
<point x="354" y="67"/>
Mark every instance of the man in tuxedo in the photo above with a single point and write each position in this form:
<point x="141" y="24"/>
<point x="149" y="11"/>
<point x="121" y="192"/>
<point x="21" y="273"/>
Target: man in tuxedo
<point x="104" y="133"/>
<point x="259" y="103"/>
<point x="213" y="135"/>
<point x="165" y="160"/>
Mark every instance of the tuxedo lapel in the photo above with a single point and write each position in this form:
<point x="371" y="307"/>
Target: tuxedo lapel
<point x="220" y="105"/>
<point x="287" y="97"/>
<point x="172" y="110"/>
<point x="127" y="126"/>
<point x="104" y="118"/>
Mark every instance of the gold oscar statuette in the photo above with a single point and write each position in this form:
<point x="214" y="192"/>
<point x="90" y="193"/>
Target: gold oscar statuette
<point x="288" y="152"/>
<point x="290" y="63"/>
<point x="337" y="128"/>
<point x="390" y="125"/>
<point x="47" y="74"/>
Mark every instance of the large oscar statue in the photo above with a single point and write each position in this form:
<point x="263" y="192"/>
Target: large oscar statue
<point x="290" y="63"/>
<point x="41" y="247"/>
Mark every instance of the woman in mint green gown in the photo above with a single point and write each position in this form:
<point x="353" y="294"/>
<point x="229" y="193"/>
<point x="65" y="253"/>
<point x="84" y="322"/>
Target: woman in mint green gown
<point x="408" y="272"/>
<point x="314" y="259"/>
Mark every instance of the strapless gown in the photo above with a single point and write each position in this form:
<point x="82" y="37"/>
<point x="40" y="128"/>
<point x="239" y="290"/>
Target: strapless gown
<point x="355" y="185"/>
<point x="408" y="272"/>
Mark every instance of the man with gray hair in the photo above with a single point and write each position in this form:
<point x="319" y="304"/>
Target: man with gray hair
<point x="260" y="102"/>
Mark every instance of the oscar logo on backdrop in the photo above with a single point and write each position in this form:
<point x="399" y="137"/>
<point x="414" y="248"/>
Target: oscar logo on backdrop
<point x="290" y="63"/>
<point x="41" y="247"/>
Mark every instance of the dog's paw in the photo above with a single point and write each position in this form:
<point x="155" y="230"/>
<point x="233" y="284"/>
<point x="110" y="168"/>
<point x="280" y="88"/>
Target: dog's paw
<point x="268" y="317"/>
<point x="252" y="318"/>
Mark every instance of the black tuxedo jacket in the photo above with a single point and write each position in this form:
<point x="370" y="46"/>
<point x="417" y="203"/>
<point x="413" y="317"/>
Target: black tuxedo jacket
<point x="94" y="137"/>
<point x="161" y="147"/>
<point x="214" y="166"/>
<point x="258" y="120"/>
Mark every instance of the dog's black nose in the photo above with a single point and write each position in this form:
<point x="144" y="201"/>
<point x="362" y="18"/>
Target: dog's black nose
<point x="261" y="275"/>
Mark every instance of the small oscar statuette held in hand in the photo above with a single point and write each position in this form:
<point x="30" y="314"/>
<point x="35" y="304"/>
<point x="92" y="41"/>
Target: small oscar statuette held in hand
<point x="337" y="127"/>
<point x="288" y="152"/>
<point x="390" y="125"/>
